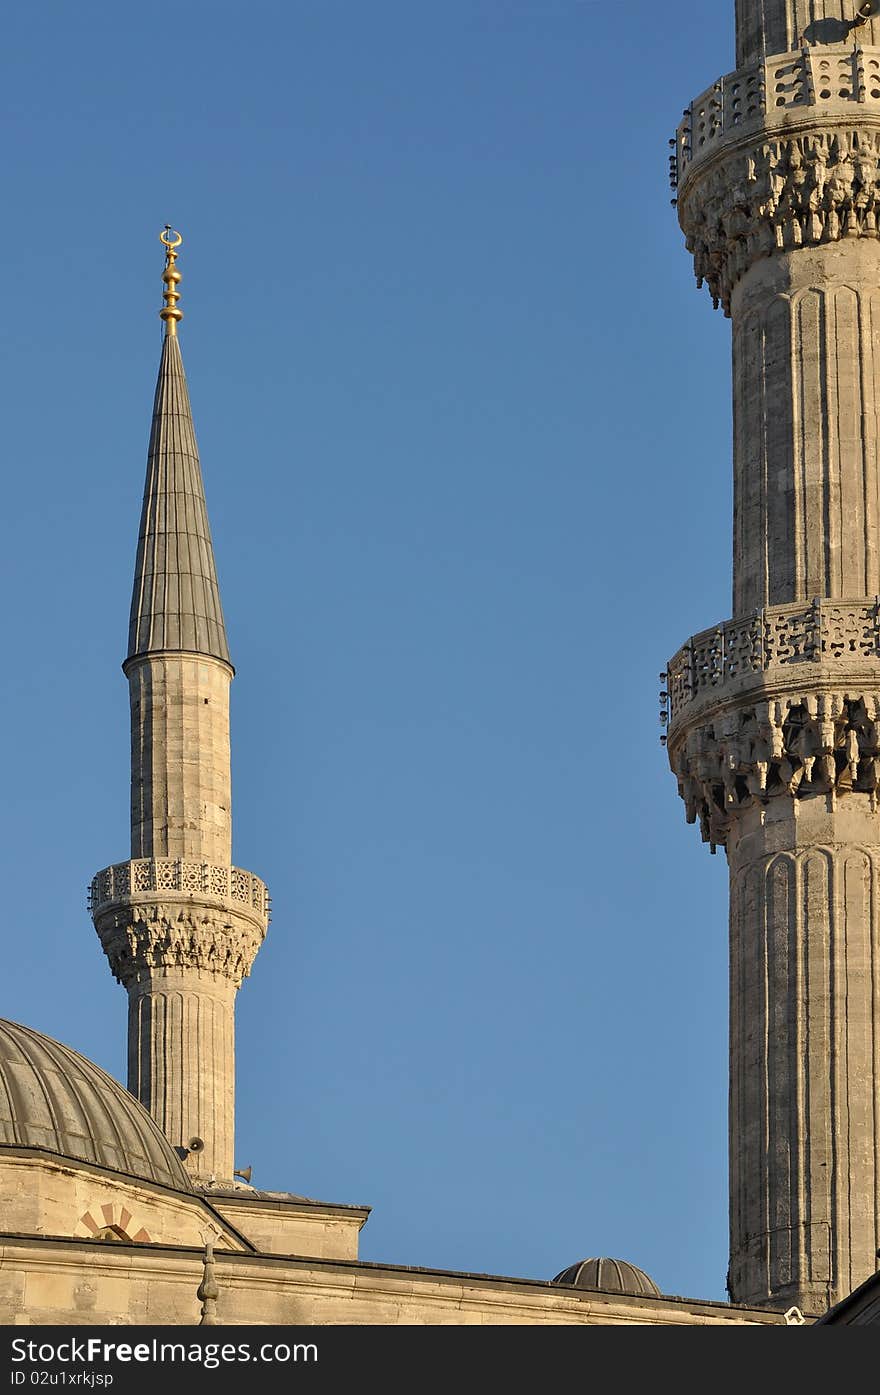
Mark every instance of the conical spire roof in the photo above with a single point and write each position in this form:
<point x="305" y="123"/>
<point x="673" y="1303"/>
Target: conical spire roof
<point x="175" y="602"/>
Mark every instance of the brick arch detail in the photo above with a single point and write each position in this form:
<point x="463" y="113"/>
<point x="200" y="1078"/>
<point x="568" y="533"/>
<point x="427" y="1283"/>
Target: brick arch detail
<point x="110" y="1215"/>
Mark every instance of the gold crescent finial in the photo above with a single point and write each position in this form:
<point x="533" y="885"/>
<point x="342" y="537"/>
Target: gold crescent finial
<point x="169" y="313"/>
<point x="169" y="238"/>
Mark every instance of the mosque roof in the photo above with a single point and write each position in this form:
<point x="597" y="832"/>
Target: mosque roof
<point x="53" y="1099"/>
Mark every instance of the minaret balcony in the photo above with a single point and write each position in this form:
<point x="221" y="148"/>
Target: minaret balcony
<point x="171" y="914"/>
<point x="794" y="638"/>
<point x="834" y="78"/>
<point x="785" y="701"/>
<point x="126" y="880"/>
<point x="777" y="156"/>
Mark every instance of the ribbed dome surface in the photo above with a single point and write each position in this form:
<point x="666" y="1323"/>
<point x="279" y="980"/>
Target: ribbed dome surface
<point x="611" y="1276"/>
<point x="53" y="1098"/>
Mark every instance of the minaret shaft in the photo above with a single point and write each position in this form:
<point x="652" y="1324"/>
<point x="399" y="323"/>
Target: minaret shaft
<point x="180" y="775"/>
<point x="179" y="924"/>
<point x="806" y="379"/>
<point x="774" y="734"/>
<point x="805" y="984"/>
<point x="168" y="1008"/>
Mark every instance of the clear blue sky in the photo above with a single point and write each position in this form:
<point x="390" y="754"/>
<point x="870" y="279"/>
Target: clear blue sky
<point x="465" y="429"/>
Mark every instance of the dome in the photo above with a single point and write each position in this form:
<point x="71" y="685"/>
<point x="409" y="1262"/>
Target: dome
<point x="53" y="1098"/>
<point x="611" y="1276"/>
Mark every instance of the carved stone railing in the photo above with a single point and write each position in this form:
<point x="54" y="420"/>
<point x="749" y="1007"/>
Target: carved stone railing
<point x="833" y="78"/>
<point x="824" y="631"/>
<point x="145" y="875"/>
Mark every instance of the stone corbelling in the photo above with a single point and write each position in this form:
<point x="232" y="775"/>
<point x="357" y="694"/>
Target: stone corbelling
<point x="777" y="195"/>
<point x="199" y="879"/>
<point x="823" y="632"/>
<point x="811" y="742"/>
<point x="138" y="938"/>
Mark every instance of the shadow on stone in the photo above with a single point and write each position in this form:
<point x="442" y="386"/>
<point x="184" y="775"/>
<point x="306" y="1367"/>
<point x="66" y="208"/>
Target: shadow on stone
<point x="827" y="31"/>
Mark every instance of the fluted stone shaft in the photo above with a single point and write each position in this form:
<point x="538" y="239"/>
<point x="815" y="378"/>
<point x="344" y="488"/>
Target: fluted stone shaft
<point x="772" y="26"/>
<point x="181" y="801"/>
<point x="188" y="1013"/>
<point x="806" y="379"/>
<point x="805" y="1050"/>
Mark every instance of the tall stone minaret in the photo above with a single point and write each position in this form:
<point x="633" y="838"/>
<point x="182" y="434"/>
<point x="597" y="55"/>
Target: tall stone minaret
<point x="179" y="924"/>
<point x="774" y="715"/>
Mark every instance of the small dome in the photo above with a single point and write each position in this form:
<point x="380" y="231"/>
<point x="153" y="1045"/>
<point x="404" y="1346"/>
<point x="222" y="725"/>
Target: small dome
<point x="611" y="1276"/>
<point x="53" y="1098"/>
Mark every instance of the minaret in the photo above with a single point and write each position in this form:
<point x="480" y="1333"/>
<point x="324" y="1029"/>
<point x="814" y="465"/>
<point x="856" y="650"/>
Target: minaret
<point x="774" y="715"/>
<point x="179" y="924"/>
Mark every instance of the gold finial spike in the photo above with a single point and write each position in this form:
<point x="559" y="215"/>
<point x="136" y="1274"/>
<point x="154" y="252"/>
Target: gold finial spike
<point x="170" y="240"/>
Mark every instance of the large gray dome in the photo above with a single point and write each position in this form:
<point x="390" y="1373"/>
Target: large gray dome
<point x="53" y="1098"/>
<point x="611" y="1276"/>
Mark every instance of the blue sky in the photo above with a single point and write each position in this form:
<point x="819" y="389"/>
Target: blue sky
<point x="465" y="429"/>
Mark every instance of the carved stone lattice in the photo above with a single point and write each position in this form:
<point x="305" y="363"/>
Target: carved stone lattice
<point x="776" y="636"/>
<point x="142" y="877"/>
<point x="177" y="874"/>
<point x="742" y="648"/>
<point x="790" y="635"/>
<point x="847" y="632"/>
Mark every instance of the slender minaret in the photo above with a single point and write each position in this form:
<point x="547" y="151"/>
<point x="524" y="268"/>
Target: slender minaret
<point x="774" y="716"/>
<point x="179" y="924"/>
